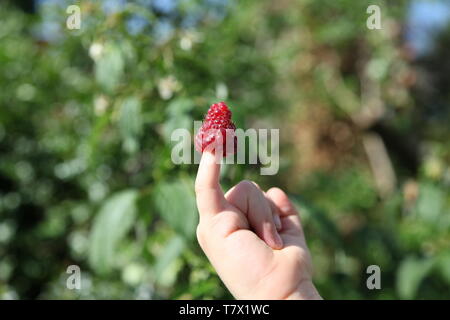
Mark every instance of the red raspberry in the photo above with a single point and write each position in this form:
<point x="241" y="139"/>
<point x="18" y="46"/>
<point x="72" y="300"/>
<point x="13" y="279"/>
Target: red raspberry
<point x="217" y="118"/>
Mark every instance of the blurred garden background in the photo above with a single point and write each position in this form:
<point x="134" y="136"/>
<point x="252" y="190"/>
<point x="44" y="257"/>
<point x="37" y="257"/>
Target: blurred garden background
<point x="86" y="176"/>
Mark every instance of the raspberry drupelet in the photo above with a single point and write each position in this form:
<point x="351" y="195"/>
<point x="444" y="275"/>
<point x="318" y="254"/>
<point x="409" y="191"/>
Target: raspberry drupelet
<point x="217" y="119"/>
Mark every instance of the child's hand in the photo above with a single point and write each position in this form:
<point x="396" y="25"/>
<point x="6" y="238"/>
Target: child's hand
<point x="238" y="233"/>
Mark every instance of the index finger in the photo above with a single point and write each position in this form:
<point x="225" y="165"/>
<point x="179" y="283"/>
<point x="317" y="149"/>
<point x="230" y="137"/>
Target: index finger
<point x="210" y="197"/>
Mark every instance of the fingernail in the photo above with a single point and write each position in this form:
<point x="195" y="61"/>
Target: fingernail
<point x="286" y="209"/>
<point x="278" y="241"/>
<point x="277" y="221"/>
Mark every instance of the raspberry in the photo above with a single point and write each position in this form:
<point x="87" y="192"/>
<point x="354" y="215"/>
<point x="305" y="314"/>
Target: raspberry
<point x="217" y="118"/>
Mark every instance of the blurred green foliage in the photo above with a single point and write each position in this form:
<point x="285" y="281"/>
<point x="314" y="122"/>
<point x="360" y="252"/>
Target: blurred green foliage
<point x="86" y="115"/>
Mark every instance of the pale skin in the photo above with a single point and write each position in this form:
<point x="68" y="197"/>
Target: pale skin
<point x="254" y="239"/>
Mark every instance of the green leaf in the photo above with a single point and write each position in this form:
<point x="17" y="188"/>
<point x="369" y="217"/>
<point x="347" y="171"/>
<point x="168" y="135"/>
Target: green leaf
<point x="176" y="122"/>
<point x="114" y="219"/>
<point x="130" y="119"/>
<point x="167" y="267"/>
<point x="444" y="266"/>
<point x="318" y="218"/>
<point x="130" y="123"/>
<point x="175" y="202"/>
<point x="430" y="203"/>
<point x="178" y="117"/>
<point x="410" y="275"/>
<point x="180" y="106"/>
<point x="109" y="67"/>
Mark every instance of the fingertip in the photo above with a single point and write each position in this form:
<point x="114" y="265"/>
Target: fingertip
<point x="277" y="221"/>
<point x="208" y="157"/>
<point x="276" y="192"/>
<point x="208" y="171"/>
<point x="272" y="237"/>
<point x="277" y="241"/>
<point x="281" y="200"/>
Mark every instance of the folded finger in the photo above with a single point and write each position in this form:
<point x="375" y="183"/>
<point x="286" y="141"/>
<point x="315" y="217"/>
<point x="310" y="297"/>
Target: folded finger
<point x="281" y="200"/>
<point x="246" y="197"/>
<point x="290" y="219"/>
